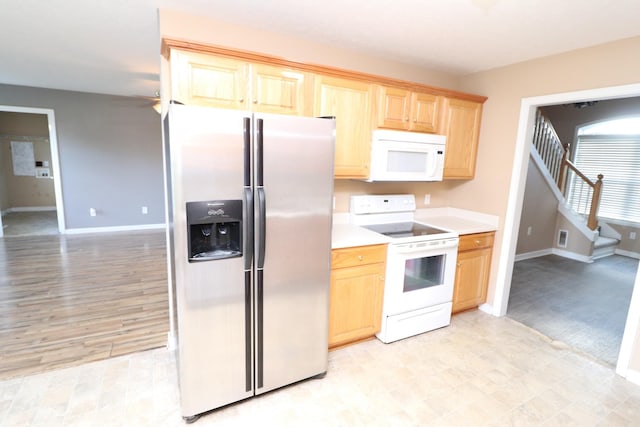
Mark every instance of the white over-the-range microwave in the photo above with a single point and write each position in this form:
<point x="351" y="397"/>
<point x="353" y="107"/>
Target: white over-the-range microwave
<point x="406" y="156"/>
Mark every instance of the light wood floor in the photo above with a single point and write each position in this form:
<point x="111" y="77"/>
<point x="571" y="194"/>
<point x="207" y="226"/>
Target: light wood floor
<point x="66" y="300"/>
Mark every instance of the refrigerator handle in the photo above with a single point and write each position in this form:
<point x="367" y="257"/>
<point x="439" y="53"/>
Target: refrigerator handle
<point x="259" y="152"/>
<point x="248" y="380"/>
<point x="262" y="219"/>
<point x="249" y="234"/>
<point x="246" y="133"/>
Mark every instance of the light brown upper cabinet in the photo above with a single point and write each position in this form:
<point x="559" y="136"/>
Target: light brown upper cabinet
<point x="202" y="79"/>
<point x="460" y="122"/>
<point x="280" y="90"/>
<point x="220" y="77"/>
<point x="350" y="101"/>
<point x="406" y="110"/>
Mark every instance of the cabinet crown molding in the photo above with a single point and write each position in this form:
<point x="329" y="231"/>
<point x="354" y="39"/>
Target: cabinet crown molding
<point x="170" y="43"/>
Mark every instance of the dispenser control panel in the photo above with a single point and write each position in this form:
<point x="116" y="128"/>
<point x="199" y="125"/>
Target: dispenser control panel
<point x="214" y="230"/>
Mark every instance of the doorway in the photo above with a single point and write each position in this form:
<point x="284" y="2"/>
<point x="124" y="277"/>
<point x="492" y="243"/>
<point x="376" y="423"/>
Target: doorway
<point x="44" y="169"/>
<point x="514" y="209"/>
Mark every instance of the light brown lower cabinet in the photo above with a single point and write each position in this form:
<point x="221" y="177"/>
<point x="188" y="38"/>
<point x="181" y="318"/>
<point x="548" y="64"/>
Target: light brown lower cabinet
<point x="357" y="289"/>
<point x="472" y="271"/>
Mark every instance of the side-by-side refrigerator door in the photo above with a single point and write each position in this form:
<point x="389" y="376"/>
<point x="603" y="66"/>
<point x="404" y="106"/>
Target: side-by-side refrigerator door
<point x="208" y="154"/>
<point x="294" y="193"/>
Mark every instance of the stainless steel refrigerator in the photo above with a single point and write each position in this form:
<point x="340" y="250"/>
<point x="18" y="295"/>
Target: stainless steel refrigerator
<point x="249" y="206"/>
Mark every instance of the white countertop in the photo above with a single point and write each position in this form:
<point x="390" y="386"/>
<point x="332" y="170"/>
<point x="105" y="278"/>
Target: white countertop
<point x="349" y="235"/>
<point x="461" y="221"/>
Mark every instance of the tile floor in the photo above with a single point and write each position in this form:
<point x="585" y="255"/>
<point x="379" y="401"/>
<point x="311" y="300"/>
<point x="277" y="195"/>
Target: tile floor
<point x="480" y="371"/>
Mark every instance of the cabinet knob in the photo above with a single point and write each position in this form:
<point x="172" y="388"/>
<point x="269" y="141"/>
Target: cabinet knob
<point x="478" y="242"/>
<point x="458" y="264"/>
<point x="241" y="100"/>
<point x="255" y="101"/>
<point x="406" y="119"/>
<point x="360" y="258"/>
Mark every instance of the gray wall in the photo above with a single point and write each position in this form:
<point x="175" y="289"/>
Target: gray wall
<point x="110" y="150"/>
<point x="539" y="211"/>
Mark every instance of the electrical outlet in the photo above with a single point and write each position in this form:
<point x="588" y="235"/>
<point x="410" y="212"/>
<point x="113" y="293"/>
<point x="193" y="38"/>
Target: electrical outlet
<point x="632" y="235"/>
<point x="145" y="210"/>
<point x="92" y="212"/>
<point x="529" y="230"/>
<point x="427" y="199"/>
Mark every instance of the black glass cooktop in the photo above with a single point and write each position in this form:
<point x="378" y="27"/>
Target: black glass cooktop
<point x="404" y="229"/>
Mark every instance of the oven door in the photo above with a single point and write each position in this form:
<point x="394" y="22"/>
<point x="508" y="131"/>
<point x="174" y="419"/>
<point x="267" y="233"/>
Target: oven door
<point x="419" y="275"/>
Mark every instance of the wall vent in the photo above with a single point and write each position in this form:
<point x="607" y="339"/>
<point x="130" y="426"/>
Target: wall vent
<point x="563" y="236"/>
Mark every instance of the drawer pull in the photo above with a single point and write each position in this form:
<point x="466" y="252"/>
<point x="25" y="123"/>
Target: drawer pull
<point x="360" y="258"/>
<point x="478" y="242"/>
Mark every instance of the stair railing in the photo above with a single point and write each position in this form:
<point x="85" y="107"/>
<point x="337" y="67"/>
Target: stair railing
<point x="581" y="193"/>
<point x="584" y="194"/>
<point x="549" y="146"/>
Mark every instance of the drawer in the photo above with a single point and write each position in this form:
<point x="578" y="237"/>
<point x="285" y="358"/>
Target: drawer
<point x="475" y="241"/>
<point x="359" y="255"/>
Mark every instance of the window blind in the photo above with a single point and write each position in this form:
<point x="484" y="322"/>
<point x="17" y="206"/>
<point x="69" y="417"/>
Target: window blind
<point x="618" y="159"/>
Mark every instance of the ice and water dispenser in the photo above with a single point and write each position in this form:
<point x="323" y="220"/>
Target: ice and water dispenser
<point x="214" y="229"/>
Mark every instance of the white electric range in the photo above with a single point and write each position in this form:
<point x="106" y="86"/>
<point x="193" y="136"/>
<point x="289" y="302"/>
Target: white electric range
<point x="421" y="265"/>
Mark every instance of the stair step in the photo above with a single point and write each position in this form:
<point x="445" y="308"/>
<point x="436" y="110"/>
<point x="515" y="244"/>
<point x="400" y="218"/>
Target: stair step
<point x="602" y="242"/>
<point x="604" y="246"/>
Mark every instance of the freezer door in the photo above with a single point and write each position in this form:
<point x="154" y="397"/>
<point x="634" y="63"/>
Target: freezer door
<point x="294" y="191"/>
<point x="213" y="298"/>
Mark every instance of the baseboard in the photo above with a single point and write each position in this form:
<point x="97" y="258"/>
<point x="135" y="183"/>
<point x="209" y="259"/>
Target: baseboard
<point x="114" y="229"/>
<point x="553" y="251"/>
<point x="629" y="254"/>
<point x="534" y="254"/>
<point x="172" y="342"/>
<point x="633" y="376"/>
<point x="571" y="255"/>
<point x="487" y="308"/>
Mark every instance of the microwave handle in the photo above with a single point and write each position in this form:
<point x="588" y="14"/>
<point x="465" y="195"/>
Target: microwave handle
<point x="433" y="162"/>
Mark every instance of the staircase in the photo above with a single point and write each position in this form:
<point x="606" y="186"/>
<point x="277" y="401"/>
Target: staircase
<point x="578" y="196"/>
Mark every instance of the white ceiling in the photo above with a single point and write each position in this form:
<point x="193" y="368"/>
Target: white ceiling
<point x="112" y="46"/>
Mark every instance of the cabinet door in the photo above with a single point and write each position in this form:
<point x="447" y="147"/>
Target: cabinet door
<point x="394" y="106"/>
<point x="424" y="112"/>
<point x="472" y="277"/>
<point x="278" y="90"/>
<point x="201" y="79"/>
<point x="350" y="102"/>
<point x="460" y="122"/>
<point x="355" y="303"/>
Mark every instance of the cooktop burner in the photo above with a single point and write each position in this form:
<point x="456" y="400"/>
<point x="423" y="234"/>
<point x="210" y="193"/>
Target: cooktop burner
<point x="404" y="229"/>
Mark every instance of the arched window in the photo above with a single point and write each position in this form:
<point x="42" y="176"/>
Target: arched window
<point x="612" y="148"/>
